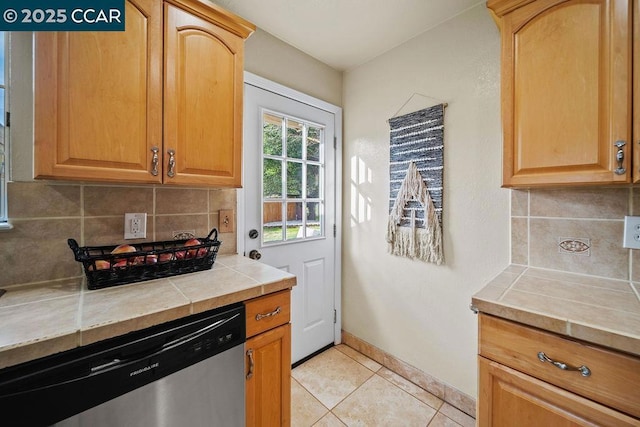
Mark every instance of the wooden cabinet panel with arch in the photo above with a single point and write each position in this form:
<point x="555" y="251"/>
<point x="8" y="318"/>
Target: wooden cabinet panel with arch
<point x="160" y="102"/>
<point x="567" y="91"/>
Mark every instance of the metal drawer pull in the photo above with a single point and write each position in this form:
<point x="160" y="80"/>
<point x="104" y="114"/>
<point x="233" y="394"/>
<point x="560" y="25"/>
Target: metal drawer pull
<point x="273" y="313"/>
<point x="154" y="161"/>
<point x="620" y="157"/>
<point x="172" y="163"/>
<point x="251" y="363"/>
<point x="582" y="369"/>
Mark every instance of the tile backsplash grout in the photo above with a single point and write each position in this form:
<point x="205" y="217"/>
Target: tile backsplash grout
<point x="46" y="214"/>
<point x="577" y="230"/>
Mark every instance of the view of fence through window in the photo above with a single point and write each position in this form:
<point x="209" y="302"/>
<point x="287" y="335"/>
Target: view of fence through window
<point x="293" y="177"/>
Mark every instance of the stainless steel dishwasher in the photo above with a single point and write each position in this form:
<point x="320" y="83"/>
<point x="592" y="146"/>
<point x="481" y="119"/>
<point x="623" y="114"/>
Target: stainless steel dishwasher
<point x="188" y="372"/>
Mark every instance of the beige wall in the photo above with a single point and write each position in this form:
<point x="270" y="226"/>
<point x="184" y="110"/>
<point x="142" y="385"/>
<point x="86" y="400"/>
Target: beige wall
<point x="416" y="311"/>
<point x="273" y="59"/>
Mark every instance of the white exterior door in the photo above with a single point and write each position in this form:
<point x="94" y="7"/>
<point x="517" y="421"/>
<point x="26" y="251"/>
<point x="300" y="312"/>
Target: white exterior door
<point x="290" y="207"/>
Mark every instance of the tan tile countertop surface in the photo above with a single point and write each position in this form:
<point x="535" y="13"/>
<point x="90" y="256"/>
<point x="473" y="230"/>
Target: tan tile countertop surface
<point x="39" y="320"/>
<point x="596" y="310"/>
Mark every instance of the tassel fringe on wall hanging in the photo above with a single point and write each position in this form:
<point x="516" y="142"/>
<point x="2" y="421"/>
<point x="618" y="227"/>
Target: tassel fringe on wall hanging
<point x="415" y="199"/>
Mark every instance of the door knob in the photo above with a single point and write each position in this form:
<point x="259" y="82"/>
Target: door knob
<point x="253" y="234"/>
<point x="254" y="254"/>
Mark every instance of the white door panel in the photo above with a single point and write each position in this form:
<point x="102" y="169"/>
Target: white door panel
<point x="290" y="199"/>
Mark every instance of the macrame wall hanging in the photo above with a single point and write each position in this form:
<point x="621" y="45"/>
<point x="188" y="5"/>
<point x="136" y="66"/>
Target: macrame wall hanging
<point x="415" y="197"/>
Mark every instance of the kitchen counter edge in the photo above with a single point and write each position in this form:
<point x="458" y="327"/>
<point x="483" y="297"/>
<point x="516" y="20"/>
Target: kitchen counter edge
<point x="48" y="318"/>
<point x="595" y="310"/>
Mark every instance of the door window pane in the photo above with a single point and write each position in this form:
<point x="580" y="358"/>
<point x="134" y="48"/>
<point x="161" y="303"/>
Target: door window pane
<point x="313" y="143"/>
<point x="313" y="181"/>
<point x="295" y="225"/>
<point x="294" y="139"/>
<point x="272" y="222"/>
<point x="272" y="178"/>
<point x="272" y="135"/>
<point x="314" y="219"/>
<point x="294" y="180"/>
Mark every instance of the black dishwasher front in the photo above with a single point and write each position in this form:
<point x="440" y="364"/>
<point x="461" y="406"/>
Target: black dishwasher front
<point x="184" y="372"/>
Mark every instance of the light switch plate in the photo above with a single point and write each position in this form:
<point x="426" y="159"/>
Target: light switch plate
<point x="225" y="221"/>
<point x="631" y="237"/>
<point x="135" y="226"/>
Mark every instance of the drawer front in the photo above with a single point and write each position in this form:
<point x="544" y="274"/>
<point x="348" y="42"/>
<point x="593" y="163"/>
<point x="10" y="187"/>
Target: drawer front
<point x="268" y="312"/>
<point x="613" y="378"/>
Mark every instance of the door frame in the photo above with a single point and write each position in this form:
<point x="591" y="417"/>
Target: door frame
<point x="277" y="88"/>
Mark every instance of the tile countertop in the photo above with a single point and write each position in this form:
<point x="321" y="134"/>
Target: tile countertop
<point x="592" y="309"/>
<point x="40" y="320"/>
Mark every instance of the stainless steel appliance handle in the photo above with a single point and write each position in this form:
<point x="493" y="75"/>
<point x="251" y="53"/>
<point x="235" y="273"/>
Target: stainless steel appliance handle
<point x="165" y="347"/>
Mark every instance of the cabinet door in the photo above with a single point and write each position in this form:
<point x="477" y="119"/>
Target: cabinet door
<point x="98" y="99"/>
<point x="268" y="387"/>
<point x="566" y="92"/>
<point x="508" y="398"/>
<point x="203" y="101"/>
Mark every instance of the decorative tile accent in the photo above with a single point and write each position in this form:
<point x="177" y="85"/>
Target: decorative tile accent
<point x="574" y="246"/>
<point x="607" y="256"/>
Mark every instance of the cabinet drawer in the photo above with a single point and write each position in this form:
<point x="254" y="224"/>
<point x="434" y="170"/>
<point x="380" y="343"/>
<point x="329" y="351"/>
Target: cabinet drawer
<point x="613" y="379"/>
<point x="267" y="312"/>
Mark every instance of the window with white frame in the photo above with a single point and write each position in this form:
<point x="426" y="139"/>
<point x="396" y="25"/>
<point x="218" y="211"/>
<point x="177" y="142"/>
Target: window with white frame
<point x="4" y="138"/>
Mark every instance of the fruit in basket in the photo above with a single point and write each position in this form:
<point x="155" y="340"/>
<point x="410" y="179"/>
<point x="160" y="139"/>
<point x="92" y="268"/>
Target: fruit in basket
<point x="149" y="259"/>
<point x="166" y="257"/>
<point x="101" y="265"/>
<point x="121" y="249"/>
<point x="192" y="253"/>
<point x="120" y="264"/>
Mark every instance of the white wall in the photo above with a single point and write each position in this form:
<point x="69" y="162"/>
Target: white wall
<point x="416" y="311"/>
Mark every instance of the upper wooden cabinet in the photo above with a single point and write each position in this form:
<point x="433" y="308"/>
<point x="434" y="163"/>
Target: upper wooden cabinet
<point x="154" y="104"/>
<point x="567" y="91"/>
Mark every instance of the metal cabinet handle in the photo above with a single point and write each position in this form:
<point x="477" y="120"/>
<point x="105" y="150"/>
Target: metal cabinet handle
<point x="251" y="363"/>
<point x="172" y="163"/>
<point x="154" y="161"/>
<point x="620" y="157"/>
<point x="582" y="369"/>
<point x="273" y="313"/>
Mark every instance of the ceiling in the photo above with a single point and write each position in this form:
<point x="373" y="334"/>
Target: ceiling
<point x="346" y="33"/>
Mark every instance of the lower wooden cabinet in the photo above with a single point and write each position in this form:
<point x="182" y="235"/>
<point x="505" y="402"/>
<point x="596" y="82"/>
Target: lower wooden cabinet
<point x="268" y="387"/>
<point x="268" y="361"/>
<point x="510" y="398"/>
<point x="531" y="377"/>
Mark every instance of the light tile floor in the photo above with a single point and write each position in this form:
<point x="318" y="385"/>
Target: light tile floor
<point x="341" y="387"/>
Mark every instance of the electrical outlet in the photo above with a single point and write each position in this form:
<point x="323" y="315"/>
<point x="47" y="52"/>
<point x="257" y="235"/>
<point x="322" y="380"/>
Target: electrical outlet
<point x="135" y="226"/>
<point x="225" y="221"/>
<point x="631" y="237"/>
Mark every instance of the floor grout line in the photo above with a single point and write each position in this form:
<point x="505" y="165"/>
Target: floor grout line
<point x="374" y="373"/>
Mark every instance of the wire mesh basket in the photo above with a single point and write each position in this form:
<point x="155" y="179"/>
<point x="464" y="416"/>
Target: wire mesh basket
<point x="107" y="266"/>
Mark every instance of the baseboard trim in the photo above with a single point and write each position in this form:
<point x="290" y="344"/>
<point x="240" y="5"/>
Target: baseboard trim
<point x="449" y="394"/>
